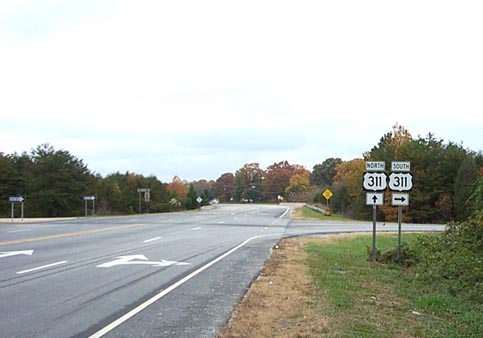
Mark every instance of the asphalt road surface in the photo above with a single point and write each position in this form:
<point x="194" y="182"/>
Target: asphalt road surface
<point x="163" y="275"/>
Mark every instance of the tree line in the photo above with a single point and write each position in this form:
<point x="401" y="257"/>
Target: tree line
<point x="447" y="183"/>
<point x="447" y="179"/>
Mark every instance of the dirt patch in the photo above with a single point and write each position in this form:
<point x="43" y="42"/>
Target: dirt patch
<point x="278" y="304"/>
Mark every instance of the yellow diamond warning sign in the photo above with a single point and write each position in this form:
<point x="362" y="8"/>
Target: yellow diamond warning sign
<point x="327" y="194"/>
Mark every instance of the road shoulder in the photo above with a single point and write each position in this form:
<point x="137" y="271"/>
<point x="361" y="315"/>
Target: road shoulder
<point x="276" y="304"/>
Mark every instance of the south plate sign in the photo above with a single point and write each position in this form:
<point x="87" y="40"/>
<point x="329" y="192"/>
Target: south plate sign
<point x="400" y="181"/>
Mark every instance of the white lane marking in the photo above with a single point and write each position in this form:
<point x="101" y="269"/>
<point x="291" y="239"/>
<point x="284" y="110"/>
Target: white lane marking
<point x="286" y="211"/>
<point x="14" y="231"/>
<point x="198" y="228"/>
<point x="283" y="215"/>
<point x="163" y="293"/>
<point x="15" y="253"/>
<point x="151" y="240"/>
<point x="41" y="267"/>
<point x="221" y="222"/>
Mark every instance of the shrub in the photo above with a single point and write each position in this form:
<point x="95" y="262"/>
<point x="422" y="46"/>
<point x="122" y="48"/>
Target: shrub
<point x="454" y="259"/>
<point x="407" y="258"/>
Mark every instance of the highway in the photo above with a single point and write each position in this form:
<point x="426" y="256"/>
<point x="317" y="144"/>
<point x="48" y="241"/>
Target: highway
<point x="162" y="275"/>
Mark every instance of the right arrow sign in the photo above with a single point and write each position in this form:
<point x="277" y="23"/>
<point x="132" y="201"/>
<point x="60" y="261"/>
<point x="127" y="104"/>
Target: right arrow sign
<point x="400" y="199"/>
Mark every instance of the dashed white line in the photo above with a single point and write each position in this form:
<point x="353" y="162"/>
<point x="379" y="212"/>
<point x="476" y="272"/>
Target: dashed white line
<point x="151" y="240"/>
<point x="41" y="267"/>
<point x="14" y="231"/>
<point x="198" y="228"/>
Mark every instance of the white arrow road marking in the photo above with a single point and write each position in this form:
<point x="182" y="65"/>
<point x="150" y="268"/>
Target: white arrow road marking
<point x="139" y="260"/>
<point x="41" y="267"/>
<point x="15" y="253"/>
<point x="166" y="291"/>
<point x="151" y="240"/>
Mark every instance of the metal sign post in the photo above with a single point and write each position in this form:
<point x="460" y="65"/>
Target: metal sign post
<point x="400" y="180"/>
<point x="147" y="196"/>
<point x="374" y="199"/>
<point x="90" y="198"/>
<point x="13" y="200"/>
<point x="374" y="179"/>
<point x="399" y="231"/>
<point x="374" y="249"/>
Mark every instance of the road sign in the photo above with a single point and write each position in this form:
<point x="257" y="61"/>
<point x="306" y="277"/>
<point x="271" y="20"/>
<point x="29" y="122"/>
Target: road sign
<point x="143" y="190"/>
<point x="374" y="198"/>
<point x="400" y="181"/>
<point x="374" y="181"/>
<point x="327" y="194"/>
<point x="400" y="166"/>
<point x="199" y="199"/>
<point x="89" y="198"/>
<point x="375" y="166"/>
<point x="13" y="199"/>
<point x="399" y="199"/>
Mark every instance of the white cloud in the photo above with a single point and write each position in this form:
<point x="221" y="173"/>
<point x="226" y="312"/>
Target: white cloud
<point x="325" y="78"/>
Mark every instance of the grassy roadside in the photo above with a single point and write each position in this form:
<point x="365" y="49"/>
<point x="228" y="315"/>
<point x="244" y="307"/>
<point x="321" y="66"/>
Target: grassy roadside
<point x="307" y="213"/>
<point x="325" y="287"/>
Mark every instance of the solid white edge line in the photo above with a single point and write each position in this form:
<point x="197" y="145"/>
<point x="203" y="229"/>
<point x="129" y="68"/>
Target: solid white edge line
<point x="283" y="215"/>
<point x="41" y="267"/>
<point x="163" y="293"/>
<point x="286" y="211"/>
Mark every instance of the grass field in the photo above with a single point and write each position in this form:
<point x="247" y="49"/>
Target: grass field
<point x="374" y="300"/>
<point x="326" y="287"/>
<point x="307" y="213"/>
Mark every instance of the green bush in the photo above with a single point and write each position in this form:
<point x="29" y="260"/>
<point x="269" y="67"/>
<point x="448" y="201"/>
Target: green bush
<point x="407" y="257"/>
<point x="454" y="259"/>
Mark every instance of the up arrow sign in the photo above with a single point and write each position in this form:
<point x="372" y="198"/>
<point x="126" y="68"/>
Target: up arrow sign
<point x="374" y="198"/>
<point x="16" y="253"/>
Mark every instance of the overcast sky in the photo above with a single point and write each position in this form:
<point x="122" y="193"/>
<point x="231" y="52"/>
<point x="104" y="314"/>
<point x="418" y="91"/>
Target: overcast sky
<point x="199" y="88"/>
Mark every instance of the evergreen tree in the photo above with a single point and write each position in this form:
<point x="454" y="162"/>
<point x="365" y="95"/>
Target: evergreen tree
<point x="9" y="180"/>
<point x="191" y="202"/>
<point x="57" y="183"/>
<point x="464" y="186"/>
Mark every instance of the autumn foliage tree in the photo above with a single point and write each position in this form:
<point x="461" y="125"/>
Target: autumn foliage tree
<point x="224" y="187"/>
<point x="277" y="179"/>
<point x="178" y="188"/>
<point x="300" y="188"/>
<point x="248" y="183"/>
<point x="348" y="195"/>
